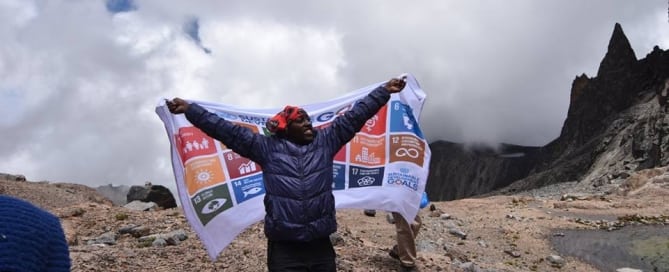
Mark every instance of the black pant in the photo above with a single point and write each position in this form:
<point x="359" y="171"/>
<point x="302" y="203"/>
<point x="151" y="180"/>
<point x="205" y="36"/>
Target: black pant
<point x="317" y="255"/>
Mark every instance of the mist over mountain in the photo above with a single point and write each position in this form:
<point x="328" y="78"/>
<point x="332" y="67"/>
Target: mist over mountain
<point x="117" y="194"/>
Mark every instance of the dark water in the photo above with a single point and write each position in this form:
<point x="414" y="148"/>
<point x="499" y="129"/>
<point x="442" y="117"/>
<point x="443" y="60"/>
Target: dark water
<point x="639" y="247"/>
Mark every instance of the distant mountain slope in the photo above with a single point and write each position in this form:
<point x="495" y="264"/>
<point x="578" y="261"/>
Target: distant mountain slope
<point x="457" y="171"/>
<point x="48" y="195"/>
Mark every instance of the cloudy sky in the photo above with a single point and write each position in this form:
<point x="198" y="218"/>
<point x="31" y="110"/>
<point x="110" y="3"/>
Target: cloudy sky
<point x="79" y="79"/>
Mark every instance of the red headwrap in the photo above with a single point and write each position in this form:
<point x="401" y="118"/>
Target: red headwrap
<point x="280" y="121"/>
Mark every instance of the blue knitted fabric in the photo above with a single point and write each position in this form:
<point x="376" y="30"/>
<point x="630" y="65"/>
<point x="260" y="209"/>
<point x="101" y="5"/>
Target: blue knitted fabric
<point x="31" y="239"/>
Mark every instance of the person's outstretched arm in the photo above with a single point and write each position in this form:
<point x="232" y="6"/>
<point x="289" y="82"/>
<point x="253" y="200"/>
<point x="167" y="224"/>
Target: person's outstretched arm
<point x="238" y="138"/>
<point x="346" y="126"/>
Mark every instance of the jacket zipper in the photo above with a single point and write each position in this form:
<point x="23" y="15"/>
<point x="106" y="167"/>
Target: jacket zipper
<point x="303" y="184"/>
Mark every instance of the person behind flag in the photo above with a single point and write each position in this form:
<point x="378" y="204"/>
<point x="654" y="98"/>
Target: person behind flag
<point x="405" y="249"/>
<point x="297" y="173"/>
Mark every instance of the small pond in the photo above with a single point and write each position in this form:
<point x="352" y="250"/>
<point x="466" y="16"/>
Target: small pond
<point x="639" y="247"/>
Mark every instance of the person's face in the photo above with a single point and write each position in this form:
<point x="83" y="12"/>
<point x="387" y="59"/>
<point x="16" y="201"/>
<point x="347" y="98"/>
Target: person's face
<point x="300" y="129"/>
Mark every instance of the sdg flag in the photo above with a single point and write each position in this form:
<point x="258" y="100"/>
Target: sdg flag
<point x="384" y="167"/>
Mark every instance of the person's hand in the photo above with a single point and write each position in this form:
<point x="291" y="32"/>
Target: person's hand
<point x="395" y="85"/>
<point x="177" y="105"/>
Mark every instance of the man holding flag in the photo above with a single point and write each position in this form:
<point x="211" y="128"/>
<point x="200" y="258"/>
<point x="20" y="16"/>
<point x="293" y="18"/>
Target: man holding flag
<point x="297" y="162"/>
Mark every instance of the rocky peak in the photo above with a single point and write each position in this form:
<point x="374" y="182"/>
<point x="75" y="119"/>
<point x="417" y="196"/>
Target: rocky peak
<point x="614" y="123"/>
<point x="594" y="101"/>
<point x="619" y="56"/>
<point x="614" y="126"/>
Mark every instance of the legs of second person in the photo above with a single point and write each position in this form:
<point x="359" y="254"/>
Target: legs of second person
<point x="415" y="225"/>
<point x="406" y="238"/>
<point x="316" y="255"/>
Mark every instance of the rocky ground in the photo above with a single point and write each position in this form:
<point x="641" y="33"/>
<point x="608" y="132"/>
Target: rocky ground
<point x="494" y="233"/>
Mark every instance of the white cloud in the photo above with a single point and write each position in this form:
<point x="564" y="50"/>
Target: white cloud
<point x="78" y="85"/>
<point x="271" y="62"/>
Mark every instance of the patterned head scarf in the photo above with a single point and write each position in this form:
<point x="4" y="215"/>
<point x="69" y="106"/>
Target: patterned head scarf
<point x="280" y="121"/>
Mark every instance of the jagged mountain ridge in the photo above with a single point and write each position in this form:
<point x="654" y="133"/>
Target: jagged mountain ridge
<point x="614" y="126"/>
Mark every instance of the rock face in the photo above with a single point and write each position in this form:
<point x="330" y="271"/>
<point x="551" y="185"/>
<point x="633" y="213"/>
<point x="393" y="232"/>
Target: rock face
<point x="614" y="120"/>
<point x="152" y="193"/>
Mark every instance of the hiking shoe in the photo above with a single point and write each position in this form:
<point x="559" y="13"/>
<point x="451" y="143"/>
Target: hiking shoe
<point x="408" y="269"/>
<point x="371" y="213"/>
<point x="393" y="253"/>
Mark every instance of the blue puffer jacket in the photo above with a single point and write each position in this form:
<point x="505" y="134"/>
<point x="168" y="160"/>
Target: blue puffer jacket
<point x="298" y="178"/>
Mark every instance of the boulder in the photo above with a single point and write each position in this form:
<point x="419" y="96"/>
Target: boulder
<point x="152" y="193"/>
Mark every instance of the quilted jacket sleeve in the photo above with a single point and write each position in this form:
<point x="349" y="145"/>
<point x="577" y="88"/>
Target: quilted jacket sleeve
<point x="238" y="138"/>
<point x="347" y="125"/>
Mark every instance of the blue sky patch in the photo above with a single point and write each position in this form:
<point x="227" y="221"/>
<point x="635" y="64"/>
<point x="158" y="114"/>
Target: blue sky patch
<point x="192" y="29"/>
<point x="117" y="6"/>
